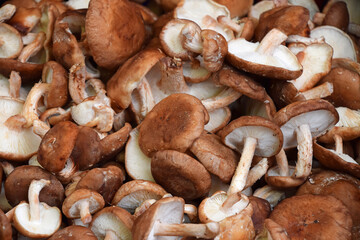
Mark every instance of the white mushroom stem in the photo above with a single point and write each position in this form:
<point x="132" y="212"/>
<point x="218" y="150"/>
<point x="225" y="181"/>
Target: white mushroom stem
<point x="172" y="78"/>
<point x="282" y="162"/>
<point x="257" y="172"/>
<point x="226" y="21"/>
<point x="208" y="230"/>
<point x="238" y="181"/>
<point x="304" y="40"/>
<point x="233" y="199"/>
<point x="191" y="38"/>
<point x="40" y="128"/>
<point x="7" y="167"/>
<point x="272" y="195"/>
<point x="29" y="38"/>
<point x="85" y="214"/>
<point x="305" y="152"/>
<point x="321" y="91"/>
<point x="111" y="235"/>
<point x="191" y="211"/>
<point x="15" y="84"/>
<point x="69" y="170"/>
<point x="6" y="12"/>
<point x="33" y="48"/>
<point x="271" y="41"/>
<point x="338" y="143"/>
<point x="77" y="77"/>
<point x="318" y="18"/>
<point x="34" y="203"/>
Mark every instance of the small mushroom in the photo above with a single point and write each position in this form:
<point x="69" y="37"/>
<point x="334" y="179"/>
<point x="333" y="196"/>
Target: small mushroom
<point x="36" y="219"/>
<point x="74" y="233"/>
<point x="82" y="203"/>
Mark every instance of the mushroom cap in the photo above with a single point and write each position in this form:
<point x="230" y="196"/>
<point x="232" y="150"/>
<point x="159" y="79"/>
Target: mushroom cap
<point x="336" y="161"/>
<point x="133" y="193"/>
<point x="6" y="230"/>
<point x="268" y="135"/>
<point x="71" y="204"/>
<point x="103" y="180"/>
<point x="115" y="219"/>
<point x="274" y="179"/>
<point x="56" y="146"/>
<point x="49" y="223"/>
<point x="237" y="8"/>
<point x="173" y="123"/>
<point x="18" y="144"/>
<point x="218" y="119"/>
<point x="111" y="39"/>
<point x="261" y="211"/>
<point x="74" y="233"/>
<point x="11" y="41"/>
<point x="29" y="72"/>
<point x="20" y="179"/>
<point x="339" y="185"/>
<point x="313" y="216"/>
<point x="215" y="156"/>
<point x="319" y="114"/>
<point x="180" y="174"/>
<point x="166" y="210"/>
<point x="337" y="15"/>
<point x="128" y="77"/>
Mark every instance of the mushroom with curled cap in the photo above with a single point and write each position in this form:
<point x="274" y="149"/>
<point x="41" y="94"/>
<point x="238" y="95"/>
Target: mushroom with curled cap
<point x="111" y="43"/>
<point x="131" y="194"/>
<point x="36" y="219"/>
<point x="82" y="203"/>
<point x="10" y="42"/>
<point x="112" y="223"/>
<point x="313" y="216"/>
<point x="163" y="220"/>
<point x="6" y="230"/>
<point x="180" y="174"/>
<point x="250" y="135"/>
<point x="268" y="58"/>
<point x="300" y="122"/>
<point x="74" y="233"/>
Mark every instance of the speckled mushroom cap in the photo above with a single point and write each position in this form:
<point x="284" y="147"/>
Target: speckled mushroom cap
<point x="319" y="114"/>
<point x="313" y="216"/>
<point x="174" y="123"/>
<point x="5" y="230"/>
<point x="57" y="145"/>
<point x="112" y="40"/>
<point x="74" y="233"/>
<point x="268" y="135"/>
<point x="20" y="179"/>
<point x="180" y="174"/>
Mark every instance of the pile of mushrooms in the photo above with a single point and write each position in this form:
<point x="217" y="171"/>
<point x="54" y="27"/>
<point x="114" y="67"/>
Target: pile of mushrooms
<point x="181" y="119"/>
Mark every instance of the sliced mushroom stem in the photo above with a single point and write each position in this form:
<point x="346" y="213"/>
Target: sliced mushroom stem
<point x="191" y="211"/>
<point x="34" y="203"/>
<point x="305" y="152"/>
<point x="85" y="214"/>
<point x="7" y="167"/>
<point x="15" y="84"/>
<point x="338" y="143"/>
<point x="271" y="41"/>
<point x="111" y="235"/>
<point x="238" y="181"/>
<point x="321" y="91"/>
<point x="172" y="78"/>
<point x="229" y="23"/>
<point x="147" y="100"/>
<point x="207" y="231"/>
<point x="191" y="38"/>
<point x="257" y="172"/>
<point x="33" y="48"/>
<point x="282" y="162"/>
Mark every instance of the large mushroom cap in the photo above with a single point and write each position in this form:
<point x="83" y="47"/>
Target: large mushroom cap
<point x="74" y="233"/>
<point x="112" y="40"/>
<point x="174" y="123"/>
<point x="319" y="114"/>
<point x="313" y="217"/>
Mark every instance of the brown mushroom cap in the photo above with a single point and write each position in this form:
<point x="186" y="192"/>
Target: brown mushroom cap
<point x="273" y="178"/>
<point x="313" y="216"/>
<point x="337" y="16"/>
<point x="112" y="40"/>
<point x="29" y="72"/>
<point x="174" y="123"/>
<point x="319" y="114"/>
<point x="261" y="211"/>
<point x="5" y="230"/>
<point x="236" y="8"/>
<point x="180" y="174"/>
<point x="74" y="233"/>
<point x="56" y="146"/>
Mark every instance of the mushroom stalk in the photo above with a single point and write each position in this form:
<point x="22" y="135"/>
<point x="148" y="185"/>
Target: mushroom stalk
<point x="338" y="143"/>
<point x="257" y="172"/>
<point x="191" y="211"/>
<point x="15" y="84"/>
<point x="232" y="199"/>
<point x="229" y="23"/>
<point x="172" y="78"/>
<point x="208" y="230"/>
<point x="191" y="38"/>
<point x="85" y="214"/>
<point x="111" y="235"/>
<point x="34" y="203"/>
<point x="271" y="41"/>
<point x="282" y="162"/>
<point x="77" y="78"/>
<point x="33" y="48"/>
<point x="147" y="101"/>
<point x="305" y="151"/>
<point x="238" y="181"/>
<point x="321" y="91"/>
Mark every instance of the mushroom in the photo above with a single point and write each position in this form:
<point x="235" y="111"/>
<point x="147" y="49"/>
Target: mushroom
<point x="338" y="16"/>
<point x="73" y="233"/>
<point x="78" y="4"/>
<point x="250" y="135"/>
<point x="6" y="12"/>
<point x="111" y="43"/>
<point x="6" y="230"/>
<point x="112" y="223"/>
<point x="180" y="174"/>
<point x="267" y="58"/>
<point x="36" y="219"/>
<point x="29" y="72"/>
<point x="261" y="211"/>
<point x="275" y="231"/>
<point x="237" y="9"/>
<point x="25" y="19"/>
<point x="11" y="42"/>
<point x="270" y="194"/>
<point x="12" y="87"/>
<point x="194" y="70"/>
<point x="164" y="218"/>
<point x="82" y="203"/>
<point x="132" y="194"/>
<point x="309" y="216"/>
<point x="218" y="119"/>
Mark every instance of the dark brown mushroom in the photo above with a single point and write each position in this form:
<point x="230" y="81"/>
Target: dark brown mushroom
<point x="74" y="233"/>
